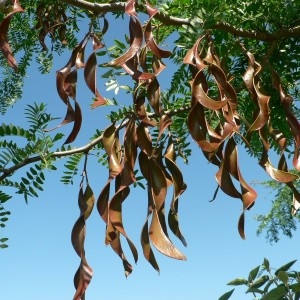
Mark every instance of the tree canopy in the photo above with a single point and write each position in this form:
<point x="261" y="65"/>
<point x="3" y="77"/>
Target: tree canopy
<point x="234" y="83"/>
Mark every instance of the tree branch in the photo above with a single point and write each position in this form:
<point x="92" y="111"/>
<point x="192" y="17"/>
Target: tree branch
<point x="98" y="8"/>
<point x="292" y="32"/>
<point x="84" y="149"/>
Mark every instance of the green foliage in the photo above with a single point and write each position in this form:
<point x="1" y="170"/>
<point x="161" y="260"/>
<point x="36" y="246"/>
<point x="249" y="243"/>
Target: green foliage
<point x="71" y="168"/>
<point x="19" y="145"/>
<point x="120" y="114"/>
<point x="279" y="284"/>
<point x="3" y="217"/>
<point x="174" y="98"/>
<point x="34" y="143"/>
<point x="279" y="220"/>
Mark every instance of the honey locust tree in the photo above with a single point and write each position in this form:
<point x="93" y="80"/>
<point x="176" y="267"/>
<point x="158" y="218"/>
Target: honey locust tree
<point x="235" y="84"/>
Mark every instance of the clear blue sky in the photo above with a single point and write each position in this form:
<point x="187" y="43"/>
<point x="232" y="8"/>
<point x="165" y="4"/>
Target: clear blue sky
<point x="40" y="262"/>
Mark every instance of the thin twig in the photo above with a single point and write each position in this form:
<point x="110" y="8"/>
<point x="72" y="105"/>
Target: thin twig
<point x="84" y="149"/>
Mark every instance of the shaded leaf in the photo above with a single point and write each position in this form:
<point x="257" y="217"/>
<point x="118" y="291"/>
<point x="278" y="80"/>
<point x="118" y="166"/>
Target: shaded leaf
<point x="285" y="267"/>
<point x="283" y="276"/>
<point x="275" y="294"/>
<point x="295" y="287"/>
<point x="253" y="273"/>
<point x="266" y="264"/>
<point x="238" y="281"/>
<point x="227" y="295"/>
<point x="259" y="282"/>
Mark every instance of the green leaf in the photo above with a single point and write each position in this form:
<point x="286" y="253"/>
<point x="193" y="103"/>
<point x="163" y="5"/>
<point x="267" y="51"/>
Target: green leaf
<point x="275" y="294"/>
<point x="209" y="22"/>
<point x="29" y="175"/>
<point x="52" y="167"/>
<point x="33" y="171"/>
<point x="33" y="192"/>
<point x="285" y="267"/>
<point x="38" y="167"/>
<point x="42" y="176"/>
<point x="4" y="213"/>
<point x="260" y="281"/>
<point x="100" y="53"/>
<point x="3" y="240"/>
<point x="57" y="137"/>
<point x="226" y="296"/>
<point x="4" y="197"/>
<point x="238" y="281"/>
<point x="295" y="287"/>
<point x="293" y="274"/>
<point x="25" y="181"/>
<point x="253" y="273"/>
<point x="141" y="185"/>
<point x="266" y="264"/>
<point x="3" y="246"/>
<point x="255" y="290"/>
<point x="37" y="186"/>
<point x="297" y="295"/>
<point x="7" y="130"/>
<point x="108" y="74"/>
<point x="283" y="276"/>
<point x="39" y="180"/>
<point x="120" y="44"/>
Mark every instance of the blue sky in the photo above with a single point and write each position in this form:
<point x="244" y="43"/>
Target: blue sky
<point x="40" y="262"/>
